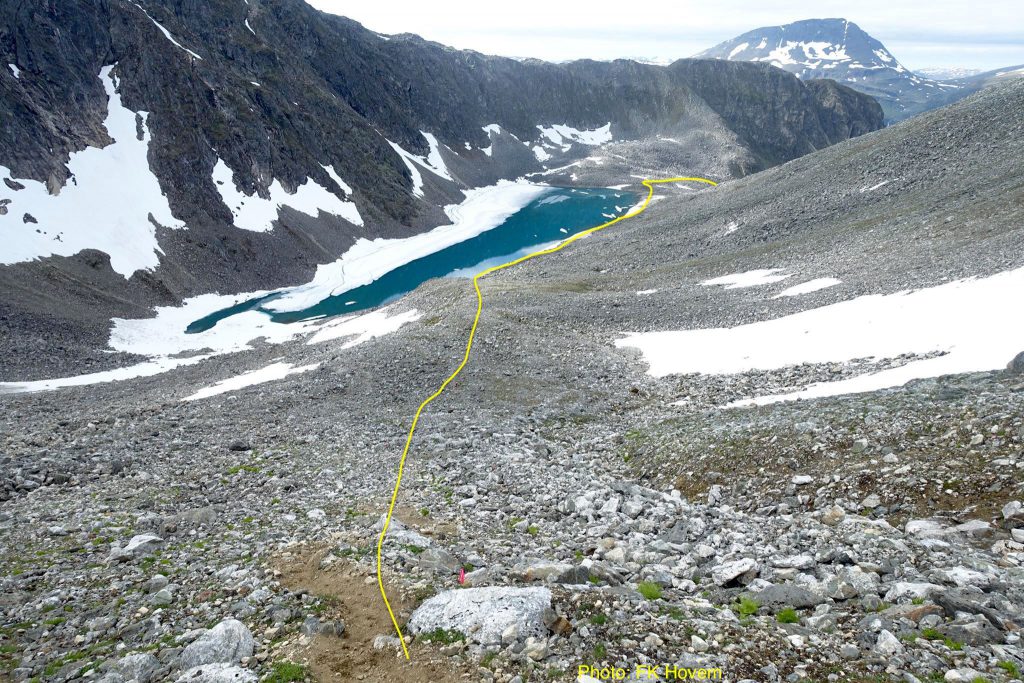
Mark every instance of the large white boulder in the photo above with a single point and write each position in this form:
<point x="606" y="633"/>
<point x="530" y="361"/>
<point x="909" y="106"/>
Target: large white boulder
<point x="482" y="614"/>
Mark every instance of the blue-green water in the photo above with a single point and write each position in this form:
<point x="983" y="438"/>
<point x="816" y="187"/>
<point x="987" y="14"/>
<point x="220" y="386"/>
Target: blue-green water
<point x="551" y="217"/>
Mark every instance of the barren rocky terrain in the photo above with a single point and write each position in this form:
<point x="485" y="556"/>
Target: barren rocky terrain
<point x="866" y="537"/>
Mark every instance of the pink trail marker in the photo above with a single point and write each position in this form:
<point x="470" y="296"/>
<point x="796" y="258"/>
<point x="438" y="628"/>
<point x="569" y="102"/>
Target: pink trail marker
<point x="462" y="576"/>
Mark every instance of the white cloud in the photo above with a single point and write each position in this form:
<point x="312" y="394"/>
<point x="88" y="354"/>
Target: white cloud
<point x="536" y="28"/>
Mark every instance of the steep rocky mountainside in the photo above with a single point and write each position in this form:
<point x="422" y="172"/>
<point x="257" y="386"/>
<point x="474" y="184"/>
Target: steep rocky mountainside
<point x="841" y="50"/>
<point x="272" y="96"/>
<point x="876" y="536"/>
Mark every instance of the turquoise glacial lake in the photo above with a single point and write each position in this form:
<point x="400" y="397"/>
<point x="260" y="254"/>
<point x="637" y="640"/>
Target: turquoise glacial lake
<point x="549" y="218"/>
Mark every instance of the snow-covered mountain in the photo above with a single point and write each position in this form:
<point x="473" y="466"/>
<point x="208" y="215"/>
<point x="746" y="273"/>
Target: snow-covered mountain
<point x="841" y="50"/>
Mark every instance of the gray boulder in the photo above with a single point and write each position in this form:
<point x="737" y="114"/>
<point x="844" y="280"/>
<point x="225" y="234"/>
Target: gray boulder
<point x="482" y="614"/>
<point x="437" y="560"/>
<point x="226" y="643"/>
<point x="140" y="667"/>
<point x="788" y="595"/>
<point x="139" y="546"/>
<point x="736" y="572"/>
<point x="1016" y="366"/>
<point x="977" y="633"/>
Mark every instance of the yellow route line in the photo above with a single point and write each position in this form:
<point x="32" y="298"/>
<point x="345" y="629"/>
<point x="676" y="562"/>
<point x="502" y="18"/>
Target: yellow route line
<point x="649" y="184"/>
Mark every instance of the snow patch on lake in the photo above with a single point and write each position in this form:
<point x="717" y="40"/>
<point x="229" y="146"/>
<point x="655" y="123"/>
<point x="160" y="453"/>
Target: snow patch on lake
<point x="257" y="214"/>
<point x="808" y="287"/>
<point x="482" y="209"/>
<point x="270" y="373"/>
<point x="556" y="199"/>
<point x="750" y="278"/>
<point x="105" y="205"/>
<point x="966" y="320"/>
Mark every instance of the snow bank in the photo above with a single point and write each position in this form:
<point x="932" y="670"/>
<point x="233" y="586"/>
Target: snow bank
<point x="483" y="208"/>
<point x="874" y="187"/>
<point x="540" y="153"/>
<point x="432" y="162"/>
<point x="167" y="34"/>
<point x="363" y="327"/>
<point x="268" y="374"/>
<point x="738" y="49"/>
<point x="163" y="338"/>
<point x="750" y="278"/>
<point x="105" y="205"/>
<point x="562" y="135"/>
<point x="808" y="287"/>
<point x="15" y="70"/>
<point x="966" y="319"/>
<point x="258" y="214"/>
<point x="147" y="369"/>
<point x="336" y="178"/>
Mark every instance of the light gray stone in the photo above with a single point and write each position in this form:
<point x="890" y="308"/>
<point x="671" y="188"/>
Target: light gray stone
<point x="738" y="571"/>
<point x="139" y="546"/>
<point x="483" y="614"/>
<point x="888" y="645"/>
<point x="226" y="643"/>
<point x="438" y="560"/>
<point x="141" y="667"/>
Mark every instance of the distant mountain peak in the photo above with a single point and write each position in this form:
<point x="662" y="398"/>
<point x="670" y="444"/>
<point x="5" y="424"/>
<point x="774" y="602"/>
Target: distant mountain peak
<point x="810" y="48"/>
<point x="839" y="49"/>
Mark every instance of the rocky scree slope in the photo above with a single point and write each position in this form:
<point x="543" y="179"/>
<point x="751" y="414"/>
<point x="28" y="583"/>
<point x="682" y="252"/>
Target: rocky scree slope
<point x="873" y="537"/>
<point x="277" y="90"/>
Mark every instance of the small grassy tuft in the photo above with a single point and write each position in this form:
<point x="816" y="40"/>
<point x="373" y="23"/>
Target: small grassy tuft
<point x="748" y="606"/>
<point x="649" y="590"/>
<point x="1011" y="668"/>
<point x="286" y="672"/>
<point x="787" y="616"/>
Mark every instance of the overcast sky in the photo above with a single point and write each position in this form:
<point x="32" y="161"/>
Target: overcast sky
<point x="983" y="34"/>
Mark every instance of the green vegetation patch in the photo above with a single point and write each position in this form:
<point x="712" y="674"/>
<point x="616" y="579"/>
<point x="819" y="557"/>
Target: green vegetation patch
<point x="287" y="672"/>
<point x="649" y="590"/>
<point x="443" y="636"/>
<point x="787" y="616"/>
